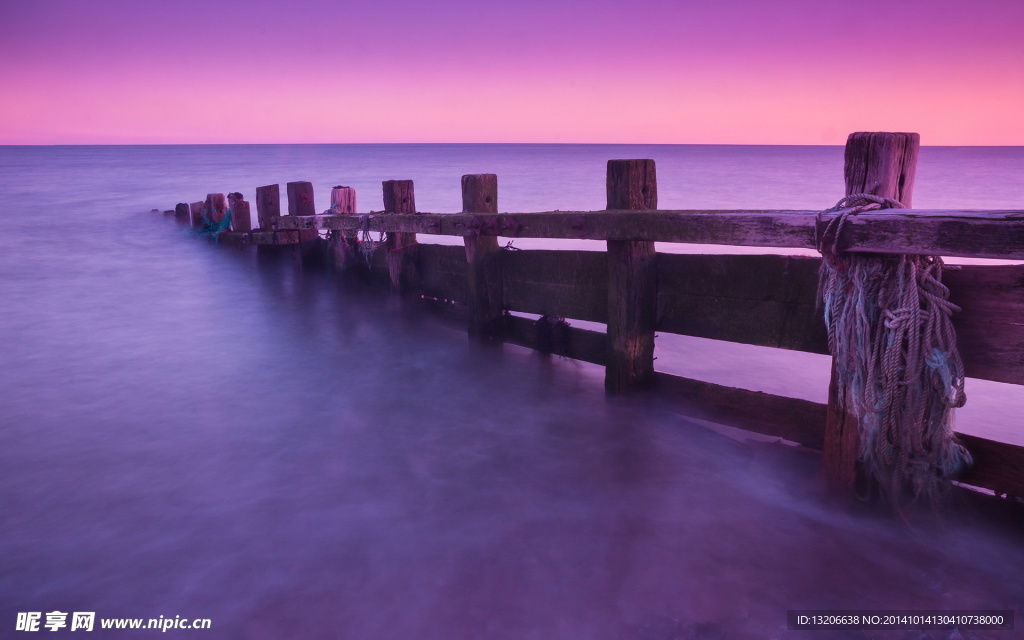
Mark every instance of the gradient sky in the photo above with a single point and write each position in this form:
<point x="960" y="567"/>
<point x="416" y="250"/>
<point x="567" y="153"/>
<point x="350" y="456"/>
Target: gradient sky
<point x="648" y="71"/>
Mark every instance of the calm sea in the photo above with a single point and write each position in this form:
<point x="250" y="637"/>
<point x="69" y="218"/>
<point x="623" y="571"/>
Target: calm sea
<point x="184" y="434"/>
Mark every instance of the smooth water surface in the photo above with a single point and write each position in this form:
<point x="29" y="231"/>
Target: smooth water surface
<point x="187" y="433"/>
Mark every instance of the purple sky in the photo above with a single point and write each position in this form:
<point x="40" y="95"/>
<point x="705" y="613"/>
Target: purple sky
<point x="741" y="71"/>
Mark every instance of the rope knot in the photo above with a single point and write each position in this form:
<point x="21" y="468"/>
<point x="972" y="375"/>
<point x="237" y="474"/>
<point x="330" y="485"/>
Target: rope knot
<point x="827" y="239"/>
<point x="892" y="340"/>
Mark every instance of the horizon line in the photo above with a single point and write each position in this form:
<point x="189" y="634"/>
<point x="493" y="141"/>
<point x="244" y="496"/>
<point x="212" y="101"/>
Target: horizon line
<point x="658" y="144"/>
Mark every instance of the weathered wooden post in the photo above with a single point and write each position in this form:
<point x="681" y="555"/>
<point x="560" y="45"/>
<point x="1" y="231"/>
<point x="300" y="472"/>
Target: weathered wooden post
<point x="268" y="210"/>
<point x="400" y="197"/>
<point x="882" y="164"/>
<point x="241" y="220"/>
<point x="268" y="205"/>
<point x="195" y="210"/>
<point x="345" y="249"/>
<point x="216" y="206"/>
<point x="632" y="282"/>
<point x="486" y="314"/>
<point x="343" y="200"/>
<point x="182" y="213"/>
<point x="300" y="203"/>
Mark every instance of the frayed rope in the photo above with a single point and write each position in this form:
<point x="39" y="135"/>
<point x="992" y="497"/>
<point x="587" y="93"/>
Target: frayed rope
<point x="899" y="372"/>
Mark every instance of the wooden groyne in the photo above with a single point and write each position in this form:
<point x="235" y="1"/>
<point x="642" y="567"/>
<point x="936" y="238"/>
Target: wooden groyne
<point x="764" y="300"/>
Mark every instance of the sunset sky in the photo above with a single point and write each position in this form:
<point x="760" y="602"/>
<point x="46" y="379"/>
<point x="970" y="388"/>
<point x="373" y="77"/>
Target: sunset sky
<point x="648" y="71"/>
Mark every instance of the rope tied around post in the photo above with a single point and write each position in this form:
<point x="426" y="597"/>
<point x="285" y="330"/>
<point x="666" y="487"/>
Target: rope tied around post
<point x="366" y="242"/>
<point x="211" y="228"/>
<point x="899" y="372"/>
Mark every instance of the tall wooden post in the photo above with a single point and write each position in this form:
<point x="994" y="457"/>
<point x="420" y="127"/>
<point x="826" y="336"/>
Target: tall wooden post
<point x="345" y="249"/>
<point x="632" y="282"/>
<point x="241" y="218"/>
<point x="195" y="210"/>
<point x="300" y="203"/>
<point x="343" y="200"/>
<point x="486" y="319"/>
<point x="182" y="213"/>
<point x="300" y="199"/>
<point x="882" y="164"/>
<point x="268" y="205"/>
<point x="216" y="207"/>
<point x="309" y="253"/>
<point x="400" y="197"/>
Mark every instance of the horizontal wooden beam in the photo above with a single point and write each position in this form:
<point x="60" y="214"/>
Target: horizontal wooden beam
<point x="273" y="237"/>
<point x="963" y="233"/>
<point x="800" y="421"/>
<point x="998" y="466"/>
<point x="566" y="284"/>
<point x="578" y="344"/>
<point x="765" y="300"/>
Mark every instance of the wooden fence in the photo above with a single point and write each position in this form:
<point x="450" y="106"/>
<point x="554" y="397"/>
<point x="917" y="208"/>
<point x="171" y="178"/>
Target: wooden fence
<point x="766" y="300"/>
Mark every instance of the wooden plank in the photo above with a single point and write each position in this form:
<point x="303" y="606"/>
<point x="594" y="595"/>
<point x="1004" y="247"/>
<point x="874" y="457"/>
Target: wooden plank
<point x="566" y="284"/>
<point x="786" y="316"/>
<point x="990" y="329"/>
<point x="796" y="420"/>
<point x="443" y="271"/>
<point x="579" y="344"/>
<point x="952" y="232"/>
<point x="770" y="301"/>
<point x="286" y="237"/>
<point x="767" y="301"/>
<point x="399" y="198"/>
<point x="274" y="237"/>
<point x="765" y="323"/>
<point x="762" y="300"/>
<point x="991" y="351"/>
<point x="987" y="293"/>
<point x="480" y="195"/>
<point x="234" y="238"/>
<point x="632" y="282"/>
<point x="997" y="465"/>
<point x="268" y="206"/>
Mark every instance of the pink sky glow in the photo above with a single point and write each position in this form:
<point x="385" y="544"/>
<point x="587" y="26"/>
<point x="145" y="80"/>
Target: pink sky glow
<point x="649" y="71"/>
